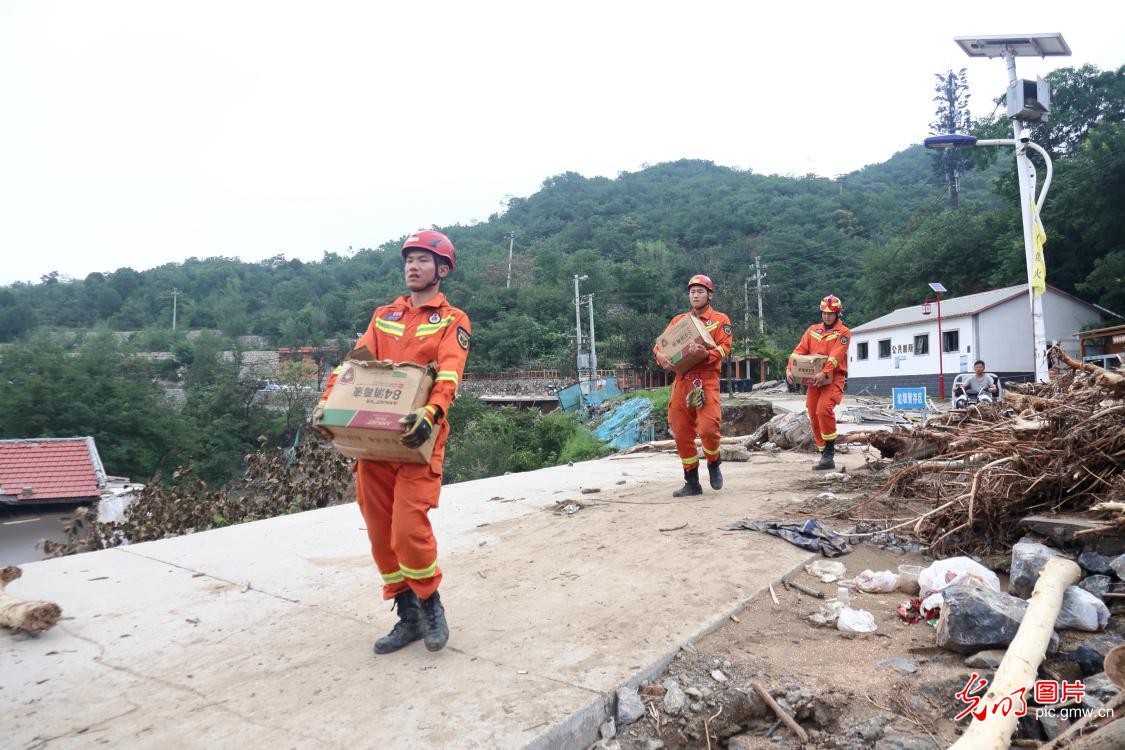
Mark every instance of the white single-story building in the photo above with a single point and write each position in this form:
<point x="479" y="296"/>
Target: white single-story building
<point x="900" y="348"/>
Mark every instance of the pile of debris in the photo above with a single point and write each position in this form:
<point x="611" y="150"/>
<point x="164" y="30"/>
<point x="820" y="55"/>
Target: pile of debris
<point x="1047" y="447"/>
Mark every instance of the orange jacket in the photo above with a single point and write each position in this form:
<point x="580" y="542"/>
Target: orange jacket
<point x="435" y="332"/>
<point x="827" y="342"/>
<point x="718" y="325"/>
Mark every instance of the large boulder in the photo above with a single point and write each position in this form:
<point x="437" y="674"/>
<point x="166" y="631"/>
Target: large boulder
<point x="974" y="619"/>
<point x="1090" y="653"/>
<point x="1028" y="559"/>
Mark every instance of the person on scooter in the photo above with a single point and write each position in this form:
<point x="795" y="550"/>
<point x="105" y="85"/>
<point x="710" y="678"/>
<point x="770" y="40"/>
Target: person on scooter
<point x="980" y="387"/>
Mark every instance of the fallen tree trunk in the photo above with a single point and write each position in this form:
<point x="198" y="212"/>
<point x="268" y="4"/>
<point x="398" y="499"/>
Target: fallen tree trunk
<point x="1021" y="662"/>
<point x="659" y="445"/>
<point x="1072" y="736"/>
<point x="1109" y="737"/>
<point x="18" y="614"/>
<point x="1103" y="377"/>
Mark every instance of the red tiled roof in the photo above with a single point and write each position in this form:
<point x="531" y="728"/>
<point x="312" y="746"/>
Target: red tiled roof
<point x="53" y="469"/>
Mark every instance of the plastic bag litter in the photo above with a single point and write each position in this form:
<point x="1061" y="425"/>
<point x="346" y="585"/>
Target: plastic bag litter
<point x="828" y="613"/>
<point x="826" y="570"/>
<point x="855" y="621"/>
<point x="876" y="583"/>
<point x="954" y="570"/>
<point x="1081" y="610"/>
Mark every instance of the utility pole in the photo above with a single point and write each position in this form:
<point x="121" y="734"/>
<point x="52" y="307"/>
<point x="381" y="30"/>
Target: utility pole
<point x="578" y="328"/>
<point x="511" y="246"/>
<point x="758" y="276"/>
<point x="746" y="311"/>
<point x="593" y="351"/>
<point x="175" y="294"/>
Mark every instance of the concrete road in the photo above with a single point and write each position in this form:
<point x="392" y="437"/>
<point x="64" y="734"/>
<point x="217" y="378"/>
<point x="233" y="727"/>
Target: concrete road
<point x="21" y="529"/>
<point x="259" y="635"/>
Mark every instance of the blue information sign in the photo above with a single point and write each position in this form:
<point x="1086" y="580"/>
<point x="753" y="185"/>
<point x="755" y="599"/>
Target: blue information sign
<point x="909" y="398"/>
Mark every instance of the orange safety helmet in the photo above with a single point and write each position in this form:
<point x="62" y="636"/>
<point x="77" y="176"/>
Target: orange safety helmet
<point x="831" y="304"/>
<point x="431" y="241"/>
<point x="703" y="281"/>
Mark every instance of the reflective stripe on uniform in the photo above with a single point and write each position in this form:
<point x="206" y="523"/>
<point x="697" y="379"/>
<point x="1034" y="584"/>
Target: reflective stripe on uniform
<point x="428" y="329"/>
<point x="711" y="453"/>
<point x="386" y="326"/>
<point x="828" y="437"/>
<point x="712" y="327"/>
<point x="816" y="335"/>
<point x="833" y="335"/>
<point x="722" y="351"/>
<point x="833" y="361"/>
<point x="419" y="574"/>
<point x="446" y="375"/>
<point x="690" y="461"/>
<point x="395" y="577"/>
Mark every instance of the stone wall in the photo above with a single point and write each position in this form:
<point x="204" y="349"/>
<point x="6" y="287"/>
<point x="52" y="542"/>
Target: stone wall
<point x="520" y="387"/>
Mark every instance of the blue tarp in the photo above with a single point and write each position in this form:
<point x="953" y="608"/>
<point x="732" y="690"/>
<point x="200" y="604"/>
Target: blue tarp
<point x="589" y="392"/>
<point x="621" y="428"/>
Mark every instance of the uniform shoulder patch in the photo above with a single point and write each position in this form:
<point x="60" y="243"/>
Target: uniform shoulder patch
<point x="463" y="338"/>
<point x="727" y="329"/>
<point x="844" y="339"/>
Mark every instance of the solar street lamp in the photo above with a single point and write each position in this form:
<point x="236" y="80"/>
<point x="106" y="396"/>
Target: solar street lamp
<point x="1028" y="101"/>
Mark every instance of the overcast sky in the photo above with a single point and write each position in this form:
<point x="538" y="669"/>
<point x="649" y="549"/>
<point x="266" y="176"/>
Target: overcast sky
<point x="137" y="133"/>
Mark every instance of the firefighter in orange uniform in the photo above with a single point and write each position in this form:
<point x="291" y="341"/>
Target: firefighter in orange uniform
<point x="395" y="498"/>
<point x="694" y="407"/>
<point x="829" y="338"/>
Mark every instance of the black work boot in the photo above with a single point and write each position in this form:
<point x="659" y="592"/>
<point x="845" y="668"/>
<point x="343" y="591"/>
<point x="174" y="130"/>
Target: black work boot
<point x="716" y="476"/>
<point x="433" y="623"/>
<point x="826" y="463"/>
<point x="409" y="626"/>
<point x="691" y="484"/>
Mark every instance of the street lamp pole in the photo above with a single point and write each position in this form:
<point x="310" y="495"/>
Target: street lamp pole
<point x="1028" y="101"/>
<point x="939" y="290"/>
<point x="940" y="353"/>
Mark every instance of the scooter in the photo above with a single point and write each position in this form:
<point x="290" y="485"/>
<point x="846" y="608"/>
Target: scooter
<point x="962" y="398"/>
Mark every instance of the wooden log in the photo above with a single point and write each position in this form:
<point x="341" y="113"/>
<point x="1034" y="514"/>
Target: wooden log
<point x="1103" y="377"/>
<point x="1024" y="401"/>
<point x="1020" y="664"/>
<point x="658" y="445"/>
<point x="1070" y="735"/>
<point x="803" y="588"/>
<point x="781" y="712"/>
<point x="18" y="614"/>
<point x="1109" y="737"/>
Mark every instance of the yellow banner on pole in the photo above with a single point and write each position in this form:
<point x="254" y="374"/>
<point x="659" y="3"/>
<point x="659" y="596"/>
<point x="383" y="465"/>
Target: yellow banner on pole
<point x="1039" y="262"/>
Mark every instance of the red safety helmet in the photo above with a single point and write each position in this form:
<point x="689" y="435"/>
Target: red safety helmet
<point x="431" y="241"/>
<point x="703" y="281"/>
<point x="831" y="304"/>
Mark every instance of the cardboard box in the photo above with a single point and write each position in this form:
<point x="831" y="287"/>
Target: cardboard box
<point x="674" y="342"/>
<point x="806" y="366"/>
<point x="368" y="400"/>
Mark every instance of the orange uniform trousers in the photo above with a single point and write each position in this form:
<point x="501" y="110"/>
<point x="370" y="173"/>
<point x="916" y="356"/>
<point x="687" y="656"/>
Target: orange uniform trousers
<point x="822" y="403"/>
<point x="687" y="423"/>
<point x="395" y="500"/>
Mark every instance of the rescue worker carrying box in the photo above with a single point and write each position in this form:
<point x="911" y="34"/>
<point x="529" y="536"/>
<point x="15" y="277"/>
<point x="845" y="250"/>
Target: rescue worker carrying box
<point x="694" y="407"/>
<point x="395" y="497"/>
<point x="828" y="339"/>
